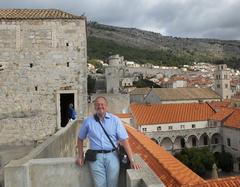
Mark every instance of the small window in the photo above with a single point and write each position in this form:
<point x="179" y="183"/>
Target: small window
<point x="229" y="142"/>
<point x="67" y="44"/>
<point x="218" y="85"/>
<point x="182" y="126"/>
<point x="193" y="126"/>
<point x="226" y="85"/>
<point x="67" y="64"/>
<point x="144" y="129"/>
<point x="31" y="65"/>
<point x="170" y="128"/>
<point x="159" y="128"/>
<point x="36" y="88"/>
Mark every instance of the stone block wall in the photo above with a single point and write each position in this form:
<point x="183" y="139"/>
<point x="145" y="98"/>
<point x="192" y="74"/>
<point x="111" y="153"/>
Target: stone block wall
<point x="38" y="60"/>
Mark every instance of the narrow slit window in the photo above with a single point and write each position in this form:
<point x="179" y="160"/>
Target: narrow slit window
<point x="67" y="44"/>
<point x="67" y="64"/>
<point x="31" y="65"/>
<point x="36" y="88"/>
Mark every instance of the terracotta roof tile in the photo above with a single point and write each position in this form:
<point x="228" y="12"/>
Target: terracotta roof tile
<point x="233" y="121"/>
<point x="10" y="14"/>
<point x="222" y="114"/>
<point x="170" y="113"/>
<point x="171" y="171"/>
<point x="219" y="104"/>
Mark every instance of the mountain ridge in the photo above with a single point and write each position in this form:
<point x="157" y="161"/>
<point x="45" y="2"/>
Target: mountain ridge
<point x="190" y="49"/>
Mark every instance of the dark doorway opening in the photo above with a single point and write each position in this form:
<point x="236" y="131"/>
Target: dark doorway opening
<point x="182" y="143"/>
<point x="65" y="100"/>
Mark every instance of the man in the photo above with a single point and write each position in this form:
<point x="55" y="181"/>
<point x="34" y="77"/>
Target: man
<point x="105" y="170"/>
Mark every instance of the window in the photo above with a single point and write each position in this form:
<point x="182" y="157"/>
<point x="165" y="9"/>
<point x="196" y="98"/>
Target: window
<point x="182" y="126"/>
<point x="159" y="128"/>
<point x="169" y="127"/>
<point x="226" y="85"/>
<point x="225" y="76"/>
<point x="218" y="85"/>
<point x="229" y="142"/>
<point x="31" y="65"/>
<point x="193" y="126"/>
<point x="144" y="129"/>
<point x="67" y="64"/>
<point x="217" y="77"/>
<point x="36" y="88"/>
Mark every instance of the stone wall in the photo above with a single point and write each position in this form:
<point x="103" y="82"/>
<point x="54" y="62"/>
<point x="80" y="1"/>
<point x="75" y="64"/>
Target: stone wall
<point x="38" y="60"/>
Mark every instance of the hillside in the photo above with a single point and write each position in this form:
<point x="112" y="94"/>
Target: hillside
<point x="144" y="46"/>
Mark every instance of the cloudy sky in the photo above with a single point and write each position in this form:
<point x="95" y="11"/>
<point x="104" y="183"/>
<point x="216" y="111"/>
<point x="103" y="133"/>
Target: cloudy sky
<point x="183" y="18"/>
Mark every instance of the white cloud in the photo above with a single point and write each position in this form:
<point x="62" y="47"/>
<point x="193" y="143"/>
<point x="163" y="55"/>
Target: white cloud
<point x="186" y="18"/>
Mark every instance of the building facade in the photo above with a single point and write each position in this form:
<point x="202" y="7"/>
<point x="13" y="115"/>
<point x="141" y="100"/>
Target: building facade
<point x="43" y="57"/>
<point x="222" y="81"/>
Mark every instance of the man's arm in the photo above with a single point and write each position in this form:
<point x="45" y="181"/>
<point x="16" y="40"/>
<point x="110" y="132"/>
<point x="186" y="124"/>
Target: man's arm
<point x="80" y="157"/>
<point x="128" y="150"/>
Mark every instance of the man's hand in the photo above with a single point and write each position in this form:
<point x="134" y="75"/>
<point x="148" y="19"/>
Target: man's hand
<point x="134" y="165"/>
<point x="80" y="161"/>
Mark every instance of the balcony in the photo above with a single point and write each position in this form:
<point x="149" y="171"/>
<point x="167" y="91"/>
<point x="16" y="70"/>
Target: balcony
<point x="50" y="165"/>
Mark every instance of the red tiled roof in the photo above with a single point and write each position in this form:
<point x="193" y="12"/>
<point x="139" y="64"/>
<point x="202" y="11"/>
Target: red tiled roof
<point x="234" y="120"/>
<point x="222" y="114"/>
<point x="170" y="113"/>
<point x="171" y="171"/>
<point x="36" y="14"/>
<point x="218" y="104"/>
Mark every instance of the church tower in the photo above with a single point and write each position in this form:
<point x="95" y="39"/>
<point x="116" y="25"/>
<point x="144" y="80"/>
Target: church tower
<point x="222" y="81"/>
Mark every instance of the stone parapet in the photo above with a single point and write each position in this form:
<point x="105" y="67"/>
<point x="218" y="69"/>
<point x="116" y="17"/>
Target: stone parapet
<point x="62" y="172"/>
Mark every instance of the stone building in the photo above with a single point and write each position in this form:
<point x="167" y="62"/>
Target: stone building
<point x="173" y="95"/>
<point x="222" y="81"/>
<point x="176" y="126"/>
<point x="43" y="64"/>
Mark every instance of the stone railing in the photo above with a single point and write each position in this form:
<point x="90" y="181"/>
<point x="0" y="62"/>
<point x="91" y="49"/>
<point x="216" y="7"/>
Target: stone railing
<point x="62" y="172"/>
<point x="44" y="166"/>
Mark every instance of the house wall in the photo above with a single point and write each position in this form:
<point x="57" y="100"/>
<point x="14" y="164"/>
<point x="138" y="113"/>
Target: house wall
<point x="175" y="126"/>
<point x="39" y="59"/>
<point x="233" y="134"/>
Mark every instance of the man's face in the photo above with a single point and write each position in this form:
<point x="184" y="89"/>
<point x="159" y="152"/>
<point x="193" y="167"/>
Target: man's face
<point x="100" y="106"/>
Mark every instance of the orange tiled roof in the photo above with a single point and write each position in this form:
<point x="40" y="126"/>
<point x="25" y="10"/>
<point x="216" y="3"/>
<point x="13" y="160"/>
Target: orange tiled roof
<point x="222" y="114"/>
<point x="170" y="113"/>
<point x="36" y="14"/>
<point x="124" y="115"/>
<point x="221" y="182"/>
<point x="171" y="171"/>
<point x="219" y="104"/>
<point x="234" y="120"/>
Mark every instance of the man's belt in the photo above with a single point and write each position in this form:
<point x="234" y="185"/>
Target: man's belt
<point x="105" y="151"/>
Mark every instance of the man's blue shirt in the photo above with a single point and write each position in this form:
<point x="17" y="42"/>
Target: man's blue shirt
<point x="97" y="138"/>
